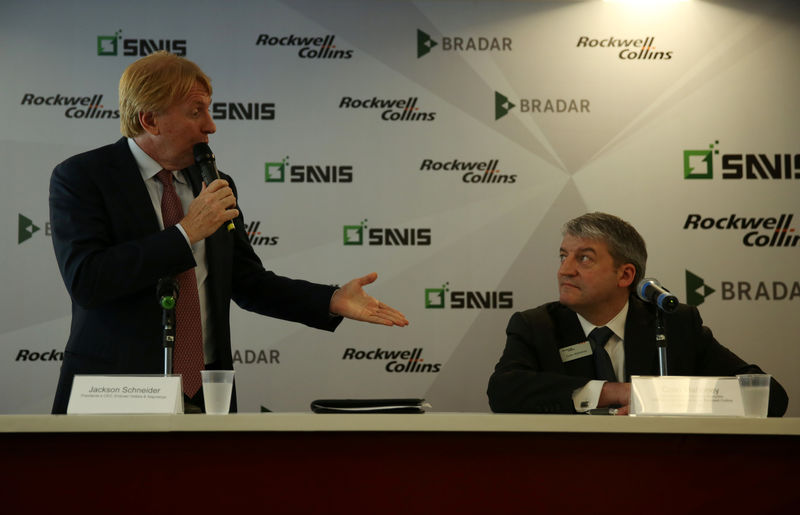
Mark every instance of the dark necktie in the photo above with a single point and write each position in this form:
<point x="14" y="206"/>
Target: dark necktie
<point x="602" y="362"/>
<point x="188" y="354"/>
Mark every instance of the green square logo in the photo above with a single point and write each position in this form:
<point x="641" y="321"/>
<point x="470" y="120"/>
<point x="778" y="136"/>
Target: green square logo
<point x="107" y="45"/>
<point x="692" y="157"/>
<point x="274" y="172"/>
<point x="434" y="298"/>
<point x="353" y="235"/>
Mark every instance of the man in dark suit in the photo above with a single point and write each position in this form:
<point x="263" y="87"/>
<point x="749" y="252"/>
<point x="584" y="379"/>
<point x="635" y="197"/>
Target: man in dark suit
<point x="549" y="366"/>
<point x="113" y="241"/>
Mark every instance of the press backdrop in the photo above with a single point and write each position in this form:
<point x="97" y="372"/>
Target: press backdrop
<point x="441" y="144"/>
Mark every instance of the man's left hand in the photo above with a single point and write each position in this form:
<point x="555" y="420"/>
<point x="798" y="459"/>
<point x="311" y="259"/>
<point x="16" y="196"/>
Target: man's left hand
<point x="351" y="301"/>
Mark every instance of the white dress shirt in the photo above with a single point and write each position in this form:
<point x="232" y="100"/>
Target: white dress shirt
<point x="587" y="397"/>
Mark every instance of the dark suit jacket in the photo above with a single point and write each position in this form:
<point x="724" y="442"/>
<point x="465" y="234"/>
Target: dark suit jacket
<point x="531" y="378"/>
<point x="111" y="253"/>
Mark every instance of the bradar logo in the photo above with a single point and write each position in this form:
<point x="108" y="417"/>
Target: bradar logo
<point x="696" y="289"/>
<point x="741" y="290"/>
<point x="462" y="44"/>
<point x="26" y="229"/>
<point x="109" y="45"/>
<point x="424" y="43"/>
<point x="385" y="236"/>
<point x="257" y="357"/>
<point x="316" y="173"/>
<point x="436" y="298"/>
<point x="699" y="164"/>
<point x="502" y="105"/>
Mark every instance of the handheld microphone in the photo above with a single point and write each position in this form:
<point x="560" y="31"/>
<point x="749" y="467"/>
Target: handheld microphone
<point x="650" y="290"/>
<point x="205" y="160"/>
<point x="167" y="292"/>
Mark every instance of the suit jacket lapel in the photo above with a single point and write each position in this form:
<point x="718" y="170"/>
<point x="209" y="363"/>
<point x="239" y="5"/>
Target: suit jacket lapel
<point x="132" y="192"/>
<point x="641" y="354"/>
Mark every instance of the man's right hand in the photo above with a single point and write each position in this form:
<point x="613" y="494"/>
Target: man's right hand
<point x="618" y="394"/>
<point x="213" y="207"/>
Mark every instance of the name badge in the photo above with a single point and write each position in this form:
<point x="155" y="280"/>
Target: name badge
<point x="576" y="351"/>
<point x="124" y="394"/>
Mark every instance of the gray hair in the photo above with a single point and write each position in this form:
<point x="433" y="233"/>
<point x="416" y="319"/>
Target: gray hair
<point x="624" y="242"/>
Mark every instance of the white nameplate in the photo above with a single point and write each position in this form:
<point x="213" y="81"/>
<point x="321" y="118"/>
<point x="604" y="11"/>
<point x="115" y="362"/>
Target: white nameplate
<point x="576" y="351"/>
<point x="123" y="394"/>
<point x="685" y="395"/>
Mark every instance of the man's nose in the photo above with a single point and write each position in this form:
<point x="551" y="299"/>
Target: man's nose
<point x="567" y="267"/>
<point x="209" y="127"/>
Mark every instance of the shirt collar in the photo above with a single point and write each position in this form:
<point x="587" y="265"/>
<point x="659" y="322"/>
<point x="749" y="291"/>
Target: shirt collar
<point x="148" y="166"/>
<point x="616" y="324"/>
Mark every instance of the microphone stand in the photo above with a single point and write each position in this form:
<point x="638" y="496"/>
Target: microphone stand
<point x="168" y="335"/>
<point x="661" y="343"/>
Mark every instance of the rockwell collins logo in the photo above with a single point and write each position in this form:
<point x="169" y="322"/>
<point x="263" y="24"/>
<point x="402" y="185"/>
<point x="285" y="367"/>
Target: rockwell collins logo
<point x="436" y="298"/>
<point x="757" y="231"/>
<point x="27" y="228"/>
<point x="699" y="164"/>
<point x="282" y="171"/>
<point x="256" y="238"/>
<point x="308" y="47"/>
<point x="472" y="172"/>
<point x="461" y="44"/>
<point x="408" y="361"/>
<point x="697" y="290"/>
<point x="30" y="355"/>
<point x="391" y="109"/>
<point x="110" y="45"/>
<point x="361" y="235"/>
<point x="627" y="49"/>
<point x="243" y="110"/>
<point x="75" y="107"/>
<point x="502" y="105"/>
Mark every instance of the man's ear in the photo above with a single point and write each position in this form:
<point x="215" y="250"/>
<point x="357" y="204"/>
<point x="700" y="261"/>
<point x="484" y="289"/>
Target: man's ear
<point x="626" y="274"/>
<point x="149" y="122"/>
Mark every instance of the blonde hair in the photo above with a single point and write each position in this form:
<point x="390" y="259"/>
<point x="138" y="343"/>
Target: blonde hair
<point x="153" y="83"/>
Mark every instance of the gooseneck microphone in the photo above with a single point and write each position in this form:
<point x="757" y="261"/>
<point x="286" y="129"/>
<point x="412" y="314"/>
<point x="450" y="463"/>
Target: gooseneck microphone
<point x="205" y="160"/>
<point x="167" y="292"/>
<point x="167" y="295"/>
<point x="650" y="290"/>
